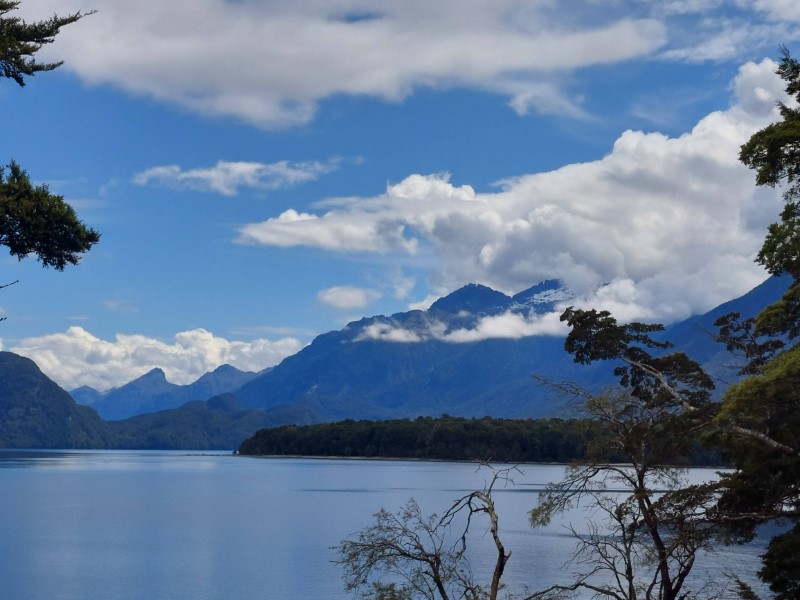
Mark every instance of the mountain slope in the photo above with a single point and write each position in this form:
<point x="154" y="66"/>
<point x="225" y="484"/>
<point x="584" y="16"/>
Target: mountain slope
<point x="364" y="372"/>
<point x="352" y="374"/>
<point x="36" y="413"/>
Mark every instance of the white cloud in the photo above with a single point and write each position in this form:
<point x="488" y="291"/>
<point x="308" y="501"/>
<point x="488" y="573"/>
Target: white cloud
<point x="425" y="303"/>
<point x="508" y="325"/>
<point x="780" y="10"/>
<point x="119" y="305"/>
<point x="672" y="223"/>
<point x="228" y="177"/>
<point x="402" y="285"/>
<point x="347" y="297"/>
<point x="76" y="357"/>
<point x="271" y="63"/>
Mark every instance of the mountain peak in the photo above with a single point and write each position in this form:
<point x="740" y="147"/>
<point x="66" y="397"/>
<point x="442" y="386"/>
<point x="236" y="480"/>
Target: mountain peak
<point x="156" y="375"/>
<point x="473" y="298"/>
<point x="543" y="296"/>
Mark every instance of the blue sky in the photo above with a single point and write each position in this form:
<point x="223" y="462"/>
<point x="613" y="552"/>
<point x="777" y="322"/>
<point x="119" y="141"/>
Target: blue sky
<point x="262" y="172"/>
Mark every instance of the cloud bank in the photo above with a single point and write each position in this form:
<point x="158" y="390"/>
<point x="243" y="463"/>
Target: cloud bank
<point x="270" y="64"/>
<point x="667" y="226"/>
<point x="76" y="357"/>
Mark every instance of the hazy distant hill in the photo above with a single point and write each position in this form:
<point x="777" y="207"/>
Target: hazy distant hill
<point x="152" y="392"/>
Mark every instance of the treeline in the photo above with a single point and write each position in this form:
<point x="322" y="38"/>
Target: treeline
<point x="450" y="438"/>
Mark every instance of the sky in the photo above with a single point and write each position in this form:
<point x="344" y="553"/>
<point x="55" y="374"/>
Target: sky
<point x="262" y="172"/>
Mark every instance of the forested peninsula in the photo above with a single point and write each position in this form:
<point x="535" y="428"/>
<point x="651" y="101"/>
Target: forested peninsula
<point x="453" y="438"/>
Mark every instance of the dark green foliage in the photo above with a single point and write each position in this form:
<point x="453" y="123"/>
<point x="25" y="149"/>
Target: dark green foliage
<point x="782" y="565"/>
<point x="774" y="154"/>
<point x="765" y="485"/>
<point x="34" y="221"/>
<point x="740" y="339"/>
<point x="451" y="438"/>
<point x="20" y="41"/>
<point x="667" y="379"/>
<point x="596" y="335"/>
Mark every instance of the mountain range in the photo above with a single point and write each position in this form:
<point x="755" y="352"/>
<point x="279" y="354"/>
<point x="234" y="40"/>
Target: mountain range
<point x="152" y="392"/>
<point x="414" y="363"/>
<point x="440" y="361"/>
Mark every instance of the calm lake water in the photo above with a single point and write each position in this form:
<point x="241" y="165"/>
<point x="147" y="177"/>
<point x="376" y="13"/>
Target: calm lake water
<point x="172" y="526"/>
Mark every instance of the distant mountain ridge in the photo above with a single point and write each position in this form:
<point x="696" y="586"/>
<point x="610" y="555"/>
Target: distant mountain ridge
<point x="152" y="392"/>
<point x="407" y="364"/>
<point x="390" y="367"/>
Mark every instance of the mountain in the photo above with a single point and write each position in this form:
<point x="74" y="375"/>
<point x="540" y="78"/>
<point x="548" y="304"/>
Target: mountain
<point x="152" y="392"/>
<point x="36" y="413"/>
<point x="474" y="299"/>
<point x="695" y="335"/>
<point x="401" y="366"/>
<point x="358" y="372"/>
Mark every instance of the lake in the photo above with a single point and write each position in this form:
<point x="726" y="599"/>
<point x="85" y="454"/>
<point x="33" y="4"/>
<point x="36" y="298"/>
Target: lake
<point x="120" y="525"/>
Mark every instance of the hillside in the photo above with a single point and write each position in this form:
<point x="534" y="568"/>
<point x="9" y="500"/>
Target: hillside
<point x="36" y="413"/>
<point x="365" y="371"/>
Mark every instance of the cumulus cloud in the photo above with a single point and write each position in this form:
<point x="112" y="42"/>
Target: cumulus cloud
<point x="348" y="297"/>
<point x="228" y="177"/>
<point x="271" y="64"/>
<point x="671" y="224"/>
<point x="76" y="357"/>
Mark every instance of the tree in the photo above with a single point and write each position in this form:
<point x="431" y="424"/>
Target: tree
<point x="424" y="557"/>
<point x="648" y="525"/>
<point x="20" y="41"/>
<point x="756" y="425"/>
<point x="32" y="220"/>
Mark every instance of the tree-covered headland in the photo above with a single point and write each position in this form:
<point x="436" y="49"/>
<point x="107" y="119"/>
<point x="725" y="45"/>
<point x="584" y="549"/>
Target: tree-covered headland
<point x="451" y="438"/>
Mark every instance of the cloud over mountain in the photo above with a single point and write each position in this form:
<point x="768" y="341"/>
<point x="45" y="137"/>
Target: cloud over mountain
<point x="76" y="357"/>
<point x="669" y="226"/>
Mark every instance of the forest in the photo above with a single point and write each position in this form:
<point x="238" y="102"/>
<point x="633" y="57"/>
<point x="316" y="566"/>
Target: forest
<point x="453" y="438"/>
